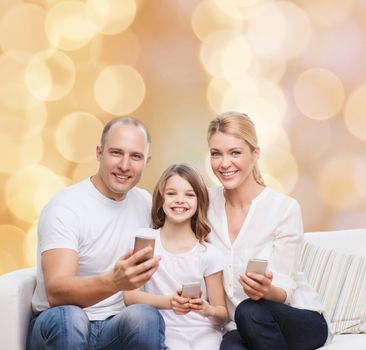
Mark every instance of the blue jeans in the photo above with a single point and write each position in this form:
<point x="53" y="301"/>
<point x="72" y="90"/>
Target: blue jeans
<point x="68" y="328"/>
<point x="267" y="325"/>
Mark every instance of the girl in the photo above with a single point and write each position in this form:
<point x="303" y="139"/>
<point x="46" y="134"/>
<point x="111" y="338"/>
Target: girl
<point x="249" y="220"/>
<point x="180" y="203"/>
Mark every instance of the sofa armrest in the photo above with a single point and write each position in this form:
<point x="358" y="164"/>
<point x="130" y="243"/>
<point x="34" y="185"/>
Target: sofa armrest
<point x="16" y="290"/>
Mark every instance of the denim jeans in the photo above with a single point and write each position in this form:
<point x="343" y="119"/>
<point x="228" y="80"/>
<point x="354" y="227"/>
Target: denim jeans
<point x="68" y="328"/>
<point x="267" y="325"/>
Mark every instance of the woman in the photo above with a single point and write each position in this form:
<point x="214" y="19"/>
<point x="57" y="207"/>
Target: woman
<point x="249" y="220"/>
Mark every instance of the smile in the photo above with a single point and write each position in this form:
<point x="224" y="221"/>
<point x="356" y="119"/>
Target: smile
<point x="228" y="173"/>
<point x="179" y="209"/>
<point x="121" y="177"/>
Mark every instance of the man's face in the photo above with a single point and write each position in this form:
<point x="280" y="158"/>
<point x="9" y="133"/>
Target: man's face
<point x="121" y="161"/>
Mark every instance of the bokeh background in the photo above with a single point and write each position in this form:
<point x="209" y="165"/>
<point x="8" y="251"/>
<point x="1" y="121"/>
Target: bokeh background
<point x="298" y="68"/>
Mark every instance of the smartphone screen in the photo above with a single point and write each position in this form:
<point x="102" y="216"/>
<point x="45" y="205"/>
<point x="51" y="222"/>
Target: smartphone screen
<point x="143" y="242"/>
<point x="191" y="290"/>
<point x="257" y="266"/>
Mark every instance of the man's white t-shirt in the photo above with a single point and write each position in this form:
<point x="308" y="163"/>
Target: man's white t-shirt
<point x="99" y="229"/>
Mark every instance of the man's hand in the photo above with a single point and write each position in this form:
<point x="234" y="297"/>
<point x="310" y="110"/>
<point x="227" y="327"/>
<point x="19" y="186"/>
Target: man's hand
<point x="129" y="274"/>
<point x="256" y="286"/>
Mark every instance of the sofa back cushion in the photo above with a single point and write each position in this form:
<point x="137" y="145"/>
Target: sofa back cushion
<point x="339" y="278"/>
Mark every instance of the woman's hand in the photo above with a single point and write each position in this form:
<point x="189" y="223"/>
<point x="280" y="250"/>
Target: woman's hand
<point x="256" y="286"/>
<point x="179" y="304"/>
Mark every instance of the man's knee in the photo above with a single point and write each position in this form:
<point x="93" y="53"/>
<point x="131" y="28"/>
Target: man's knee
<point x="60" y="325"/>
<point x="139" y="315"/>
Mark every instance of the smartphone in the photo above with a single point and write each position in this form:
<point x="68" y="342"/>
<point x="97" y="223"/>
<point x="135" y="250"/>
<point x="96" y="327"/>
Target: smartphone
<point x="191" y="290"/>
<point x="257" y="266"/>
<point x="143" y="242"/>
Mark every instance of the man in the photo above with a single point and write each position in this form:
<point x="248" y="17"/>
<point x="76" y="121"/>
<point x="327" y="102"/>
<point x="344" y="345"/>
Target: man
<point x="83" y="231"/>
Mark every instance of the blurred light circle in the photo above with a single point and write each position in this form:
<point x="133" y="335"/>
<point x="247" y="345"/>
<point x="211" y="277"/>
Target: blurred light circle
<point x="215" y="93"/>
<point x="11" y="238"/>
<point x="72" y="140"/>
<point x="50" y="75"/>
<point x="120" y="48"/>
<point x="279" y="29"/>
<point x="281" y="165"/>
<point x="19" y="194"/>
<point x="273" y="183"/>
<point x="84" y="170"/>
<point x="336" y="181"/>
<point x="13" y="90"/>
<point x="355" y="113"/>
<point x="328" y="12"/>
<point x="22" y="29"/>
<point x="22" y="124"/>
<point x="68" y="26"/>
<point x="111" y="16"/>
<point x="237" y="8"/>
<point x="17" y="153"/>
<point x="125" y="92"/>
<point x="208" y="18"/>
<point x="319" y="93"/>
<point x="236" y="57"/>
<point x="268" y="69"/>
<point x="212" y="51"/>
<point x="30" y="245"/>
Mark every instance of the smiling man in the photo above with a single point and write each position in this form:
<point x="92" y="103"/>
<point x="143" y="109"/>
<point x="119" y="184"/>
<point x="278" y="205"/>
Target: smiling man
<point x="84" y="262"/>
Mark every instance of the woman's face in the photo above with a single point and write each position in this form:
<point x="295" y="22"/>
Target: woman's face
<point x="232" y="160"/>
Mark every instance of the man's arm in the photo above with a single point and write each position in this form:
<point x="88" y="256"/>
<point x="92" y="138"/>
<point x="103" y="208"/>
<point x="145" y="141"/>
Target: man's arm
<point x="63" y="287"/>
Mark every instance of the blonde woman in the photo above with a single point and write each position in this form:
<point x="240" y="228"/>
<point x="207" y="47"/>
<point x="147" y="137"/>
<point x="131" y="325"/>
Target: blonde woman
<point x="250" y="220"/>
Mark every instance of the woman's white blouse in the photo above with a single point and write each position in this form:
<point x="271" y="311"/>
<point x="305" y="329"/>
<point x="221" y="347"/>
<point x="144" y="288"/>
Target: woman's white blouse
<point x="273" y="231"/>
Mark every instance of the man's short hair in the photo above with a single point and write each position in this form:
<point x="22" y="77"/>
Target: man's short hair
<point x="124" y="121"/>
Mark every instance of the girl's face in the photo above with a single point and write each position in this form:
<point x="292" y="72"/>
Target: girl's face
<point x="232" y="160"/>
<point x="180" y="201"/>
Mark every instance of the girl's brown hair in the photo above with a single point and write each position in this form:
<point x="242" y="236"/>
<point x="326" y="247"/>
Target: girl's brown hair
<point x="240" y="126"/>
<point x="198" y="220"/>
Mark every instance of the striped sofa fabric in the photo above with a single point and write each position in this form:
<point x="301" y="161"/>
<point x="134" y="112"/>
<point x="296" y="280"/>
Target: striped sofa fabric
<point x="340" y="280"/>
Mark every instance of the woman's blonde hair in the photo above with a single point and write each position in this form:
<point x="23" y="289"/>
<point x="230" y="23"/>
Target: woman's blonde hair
<point x="240" y="126"/>
<point x="198" y="220"/>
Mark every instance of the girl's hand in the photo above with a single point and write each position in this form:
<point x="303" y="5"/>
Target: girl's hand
<point x="179" y="305"/>
<point x="256" y="286"/>
<point x="202" y="307"/>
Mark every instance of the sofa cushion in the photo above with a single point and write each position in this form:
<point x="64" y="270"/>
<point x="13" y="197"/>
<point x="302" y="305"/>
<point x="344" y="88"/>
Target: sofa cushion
<point x="340" y="280"/>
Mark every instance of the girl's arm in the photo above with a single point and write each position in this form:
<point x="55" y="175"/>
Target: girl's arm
<point x="137" y="296"/>
<point x="215" y="308"/>
<point x="175" y="302"/>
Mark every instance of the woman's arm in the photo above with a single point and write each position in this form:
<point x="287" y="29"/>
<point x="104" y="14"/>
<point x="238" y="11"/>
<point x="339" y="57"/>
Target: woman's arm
<point x="215" y="308"/>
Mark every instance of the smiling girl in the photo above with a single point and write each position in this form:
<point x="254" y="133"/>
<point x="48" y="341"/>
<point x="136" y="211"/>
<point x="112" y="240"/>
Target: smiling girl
<point x="180" y="203"/>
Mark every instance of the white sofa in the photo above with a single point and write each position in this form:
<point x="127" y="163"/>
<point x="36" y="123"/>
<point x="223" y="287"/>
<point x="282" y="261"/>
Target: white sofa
<point x="16" y="290"/>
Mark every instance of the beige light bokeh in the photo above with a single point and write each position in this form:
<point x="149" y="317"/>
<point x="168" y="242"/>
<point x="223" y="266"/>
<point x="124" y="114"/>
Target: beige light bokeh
<point x="126" y="89"/>
<point x="68" y="26"/>
<point x="111" y="16"/>
<point x="319" y="93"/>
<point x="22" y="29"/>
<point x="355" y="113"/>
<point x="295" y="67"/>
<point x="69" y="142"/>
<point x="50" y="75"/>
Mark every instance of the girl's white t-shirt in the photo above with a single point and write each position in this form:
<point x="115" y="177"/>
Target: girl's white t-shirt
<point x="175" y="269"/>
